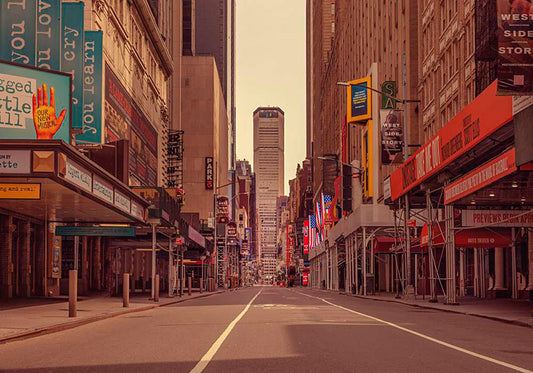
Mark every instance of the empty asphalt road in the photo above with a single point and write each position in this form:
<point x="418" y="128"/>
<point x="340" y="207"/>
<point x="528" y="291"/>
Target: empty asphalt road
<point x="267" y="329"/>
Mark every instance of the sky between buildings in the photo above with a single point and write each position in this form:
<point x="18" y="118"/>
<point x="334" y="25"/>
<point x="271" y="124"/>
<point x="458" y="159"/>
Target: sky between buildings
<point x="270" y="71"/>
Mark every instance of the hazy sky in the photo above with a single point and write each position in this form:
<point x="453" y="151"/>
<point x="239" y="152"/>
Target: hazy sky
<point x="270" y="69"/>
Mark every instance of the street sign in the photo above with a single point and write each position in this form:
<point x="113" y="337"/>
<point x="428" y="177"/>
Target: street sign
<point x="68" y="230"/>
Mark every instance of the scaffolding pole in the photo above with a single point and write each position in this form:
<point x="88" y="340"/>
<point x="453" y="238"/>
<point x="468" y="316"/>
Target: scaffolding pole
<point x="450" y="254"/>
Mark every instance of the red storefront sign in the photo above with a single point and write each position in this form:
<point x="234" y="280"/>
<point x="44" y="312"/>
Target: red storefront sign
<point x="306" y="237"/>
<point x="481" y="177"/>
<point x="475" y="122"/>
<point x="475" y="237"/>
<point x="305" y="278"/>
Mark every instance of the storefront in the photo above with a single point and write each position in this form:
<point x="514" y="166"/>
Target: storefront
<point x="477" y="200"/>
<point x="57" y="212"/>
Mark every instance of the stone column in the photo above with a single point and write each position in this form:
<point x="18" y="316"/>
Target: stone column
<point x="6" y="257"/>
<point x="530" y="259"/>
<point x="498" y="269"/>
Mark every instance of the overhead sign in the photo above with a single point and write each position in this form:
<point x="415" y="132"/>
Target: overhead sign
<point x="69" y="230"/>
<point x="481" y="177"/>
<point x="17" y="31"/>
<point x="359" y="100"/>
<point x="483" y="116"/>
<point x="391" y="135"/>
<point x="20" y="191"/>
<point x="34" y="103"/>
<point x="497" y="218"/>
<point x="14" y="161"/>
<point x="515" y="46"/>
<point x="209" y="173"/>
<point x="78" y="175"/>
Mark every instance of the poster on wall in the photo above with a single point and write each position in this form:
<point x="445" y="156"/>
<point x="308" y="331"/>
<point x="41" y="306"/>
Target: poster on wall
<point x="391" y="136"/>
<point x="36" y="103"/>
<point x="515" y="46"/>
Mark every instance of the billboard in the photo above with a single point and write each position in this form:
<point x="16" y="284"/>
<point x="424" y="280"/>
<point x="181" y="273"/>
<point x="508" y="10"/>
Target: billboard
<point x="391" y="135"/>
<point x="515" y="43"/>
<point x="359" y="100"/>
<point x="36" y="103"/>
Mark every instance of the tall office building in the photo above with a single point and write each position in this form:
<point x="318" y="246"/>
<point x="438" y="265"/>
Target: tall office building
<point x="214" y="34"/>
<point x="268" y="166"/>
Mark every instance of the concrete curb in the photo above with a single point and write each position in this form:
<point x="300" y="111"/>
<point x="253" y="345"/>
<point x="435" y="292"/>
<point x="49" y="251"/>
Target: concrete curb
<point x="75" y="323"/>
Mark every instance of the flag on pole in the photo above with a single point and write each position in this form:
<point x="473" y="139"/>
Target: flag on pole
<point x="312" y="230"/>
<point x="318" y="215"/>
<point x="328" y="211"/>
<point x="306" y="237"/>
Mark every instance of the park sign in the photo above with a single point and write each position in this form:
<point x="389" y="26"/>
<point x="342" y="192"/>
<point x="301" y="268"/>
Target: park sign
<point x="34" y="103"/>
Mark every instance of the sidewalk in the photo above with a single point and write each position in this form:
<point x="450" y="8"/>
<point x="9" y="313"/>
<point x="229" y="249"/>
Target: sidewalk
<point x="26" y="322"/>
<point x="518" y="312"/>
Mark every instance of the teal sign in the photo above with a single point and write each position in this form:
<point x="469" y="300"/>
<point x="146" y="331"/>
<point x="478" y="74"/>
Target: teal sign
<point x="92" y="89"/>
<point x="34" y="103"/>
<point x="72" y="55"/>
<point x="69" y="230"/>
<point x="48" y="34"/>
<point x="17" y="31"/>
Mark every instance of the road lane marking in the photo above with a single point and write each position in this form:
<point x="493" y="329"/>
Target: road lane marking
<point x="204" y="361"/>
<point x="442" y="343"/>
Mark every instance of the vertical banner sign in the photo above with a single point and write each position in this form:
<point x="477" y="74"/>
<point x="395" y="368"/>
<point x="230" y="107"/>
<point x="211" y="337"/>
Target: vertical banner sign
<point x="208" y="172"/>
<point x="306" y="237"/>
<point x="72" y="55"/>
<point x="390" y="88"/>
<point x="17" y="31"/>
<point x="92" y="89"/>
<point x="48" y="32"/>
<point x="391" y="135"/>
<point x="54" y="261"/>
<point x="359" y="100"/>
<point x="515" y="47"/>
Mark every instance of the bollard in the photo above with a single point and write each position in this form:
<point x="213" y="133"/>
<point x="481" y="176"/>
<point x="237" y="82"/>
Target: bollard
<point x="72" y="292"/>
<point x="201" y="285"/>
<point x="189" y="285"/>
<point x="126" y="290"/>
<point x="156" y="291"/>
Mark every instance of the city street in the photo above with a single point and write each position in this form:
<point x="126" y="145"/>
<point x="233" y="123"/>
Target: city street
<point x="268" y="329"/>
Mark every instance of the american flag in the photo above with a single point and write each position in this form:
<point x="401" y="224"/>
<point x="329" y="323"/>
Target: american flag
<point x="318" y="215"/>
<point x="312" y="230"/>
<point x="327" y="212"/>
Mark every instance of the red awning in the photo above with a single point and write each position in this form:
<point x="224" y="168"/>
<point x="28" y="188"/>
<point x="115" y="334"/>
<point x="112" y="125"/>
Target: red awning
<point x="383" y="244"/>
<point x="475" y="237"/>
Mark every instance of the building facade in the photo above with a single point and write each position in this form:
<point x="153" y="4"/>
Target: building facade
<point x="268" y="166"/>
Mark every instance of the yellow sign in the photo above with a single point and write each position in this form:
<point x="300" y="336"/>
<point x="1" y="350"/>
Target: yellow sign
<point x="20" y="191"/>
<point x="359" y="100"/>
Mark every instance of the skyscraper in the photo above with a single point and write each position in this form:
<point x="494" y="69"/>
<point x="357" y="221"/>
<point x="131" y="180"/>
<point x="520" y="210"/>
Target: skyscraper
<point x="268" y="166"/>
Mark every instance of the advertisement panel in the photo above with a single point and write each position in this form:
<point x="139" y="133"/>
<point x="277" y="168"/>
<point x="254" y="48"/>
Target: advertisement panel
<point x="487" y="113"/>
<point x="20" y="191"/>
<point x="515" y="46"/>
<point x="47" y="34"/>
<point x="391" y="135"/>
<point x="359" y="100"/>
<point x="14" y="161"/>
<point x="481" y="177"/>
<point x="71" y="55"/>
<point x="92" y="89"/>
<point x="497" y="218"/>
<point x="36" y="103"/>
<point x="17" y="31"/>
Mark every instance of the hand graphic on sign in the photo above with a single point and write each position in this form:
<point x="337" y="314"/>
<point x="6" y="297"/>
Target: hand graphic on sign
<point x="44" y="115"/>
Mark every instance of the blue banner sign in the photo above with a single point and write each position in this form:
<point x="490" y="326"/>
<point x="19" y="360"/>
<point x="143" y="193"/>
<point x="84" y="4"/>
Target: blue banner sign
<point x="48" y="34"/>
<point x="17" y="31"/>
<point x="92" y="89"/>
<point x="35" y="103"/>
<point x="69" y="230"/>
<point x="72" y="56"/>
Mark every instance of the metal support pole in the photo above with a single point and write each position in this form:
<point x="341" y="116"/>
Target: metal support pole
<point x="154" y="243"/>
<point x="514" y="285"/>
<point x="431" y="254"/>
<point x="156" y="289"/>
<point x="170" y="260"/>
<point x="76" y="252"/>
<point x="356" y="255"/>
<point x="364" y="261"/>
<point x="126" y="290"/>
<point x="450" y="255"/>
<point x="408" y="273"/>
<point x="72" y="293"/>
